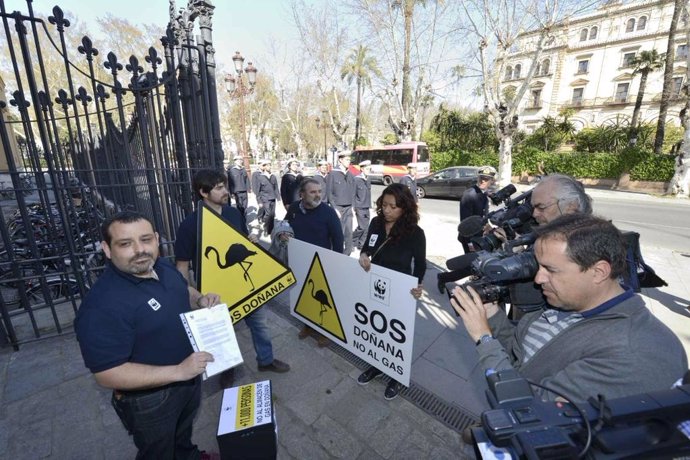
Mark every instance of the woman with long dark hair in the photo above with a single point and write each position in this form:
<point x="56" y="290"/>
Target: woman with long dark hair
<point x="395" y="241"/>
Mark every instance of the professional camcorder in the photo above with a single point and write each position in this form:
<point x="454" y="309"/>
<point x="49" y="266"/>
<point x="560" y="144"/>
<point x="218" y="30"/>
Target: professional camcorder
<point x="498" y="268"/>
<point x="515" y="217"/>
<point x="647" y="425"/>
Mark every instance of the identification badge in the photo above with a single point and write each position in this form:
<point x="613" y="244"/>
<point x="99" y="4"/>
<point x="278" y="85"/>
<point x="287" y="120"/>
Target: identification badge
<point x="372" y="240"/>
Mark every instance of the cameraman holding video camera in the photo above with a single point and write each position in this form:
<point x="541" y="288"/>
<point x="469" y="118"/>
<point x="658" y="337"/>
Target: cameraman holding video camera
<point x="594" y="336"/>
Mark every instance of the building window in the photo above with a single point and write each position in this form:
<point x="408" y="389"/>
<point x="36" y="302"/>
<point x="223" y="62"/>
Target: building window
<point x="536" y="98"/>
<point x="516" y="72"/>
<point x="642" y="23"/>
<point x="577" y="96"/>
<point x="509" y="73"/>
<point x="545" y="64"/>
<point x="593" y="32"/>
<point x="622" y="92"/>
<point x="583" y="66"/>
<point x="628" y="59"/>
<point x="630" y="26"/>
<point x="677" y="86"/>
<point x="583" y="35"/>
<point x="682" y="52"/>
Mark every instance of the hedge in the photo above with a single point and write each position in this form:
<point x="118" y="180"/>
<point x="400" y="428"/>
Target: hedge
<point x="642" y="164"/>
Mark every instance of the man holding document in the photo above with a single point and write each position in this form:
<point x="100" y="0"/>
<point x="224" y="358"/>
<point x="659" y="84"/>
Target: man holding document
<point x="133" y="340"/>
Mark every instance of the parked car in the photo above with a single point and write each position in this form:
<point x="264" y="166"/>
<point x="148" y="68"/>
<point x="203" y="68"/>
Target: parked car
<point x="449" y="182"/>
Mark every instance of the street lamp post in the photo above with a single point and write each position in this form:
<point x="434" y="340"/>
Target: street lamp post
<point x="324" y="126"/>
<point x="236" y="87"/>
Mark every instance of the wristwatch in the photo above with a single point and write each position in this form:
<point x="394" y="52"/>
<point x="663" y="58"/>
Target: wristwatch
<point x="484" y="338"/>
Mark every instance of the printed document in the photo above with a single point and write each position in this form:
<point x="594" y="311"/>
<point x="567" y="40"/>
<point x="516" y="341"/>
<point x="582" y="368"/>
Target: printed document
<point x="210" y="330"/>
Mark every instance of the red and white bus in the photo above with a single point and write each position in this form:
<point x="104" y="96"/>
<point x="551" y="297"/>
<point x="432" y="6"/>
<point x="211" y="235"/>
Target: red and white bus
<point x="389" y="162"/>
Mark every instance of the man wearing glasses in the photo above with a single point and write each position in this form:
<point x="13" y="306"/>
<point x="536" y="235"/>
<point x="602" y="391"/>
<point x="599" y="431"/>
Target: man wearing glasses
<point x="557" y="195"/>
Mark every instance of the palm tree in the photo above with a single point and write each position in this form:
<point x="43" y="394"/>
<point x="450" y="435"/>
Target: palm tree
<point x="359" y="67"/>
<point x="678" y="8"/>
<point x="644" y="63"/>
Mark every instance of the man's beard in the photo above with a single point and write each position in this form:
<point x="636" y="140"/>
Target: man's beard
<point x="311" y="204"/>
<point x="137" y="266"/>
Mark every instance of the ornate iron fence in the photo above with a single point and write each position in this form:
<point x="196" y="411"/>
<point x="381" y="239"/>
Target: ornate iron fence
<point x="116" y="135"/>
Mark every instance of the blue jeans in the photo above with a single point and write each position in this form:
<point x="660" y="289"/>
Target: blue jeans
<point x="160" y="420"/>
<point x="261" y="336"/>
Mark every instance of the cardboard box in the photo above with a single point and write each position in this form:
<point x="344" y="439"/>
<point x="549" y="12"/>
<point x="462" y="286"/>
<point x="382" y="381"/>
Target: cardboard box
<point x="247" y="426"/>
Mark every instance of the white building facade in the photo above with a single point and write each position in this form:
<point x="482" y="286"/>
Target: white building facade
<point x="587" y="67"/>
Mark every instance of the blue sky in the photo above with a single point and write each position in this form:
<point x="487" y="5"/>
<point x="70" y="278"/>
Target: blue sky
<point x="238" y="25"/>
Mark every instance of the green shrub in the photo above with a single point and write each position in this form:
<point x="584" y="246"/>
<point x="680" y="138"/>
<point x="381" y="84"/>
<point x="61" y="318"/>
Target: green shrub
<point x="642" y="163"/>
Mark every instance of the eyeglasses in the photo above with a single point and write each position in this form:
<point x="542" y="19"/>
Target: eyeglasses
<point x="544" y="207"/>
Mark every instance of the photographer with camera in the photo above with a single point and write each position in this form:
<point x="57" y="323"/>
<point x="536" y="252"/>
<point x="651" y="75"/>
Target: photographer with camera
<point x="594" y="336"/>
<point x="474" y="201"/>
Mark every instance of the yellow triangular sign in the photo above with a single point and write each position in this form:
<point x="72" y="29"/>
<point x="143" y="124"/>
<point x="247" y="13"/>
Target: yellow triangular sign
<point x="315" y="302"/>
<point x="244" y="274"/>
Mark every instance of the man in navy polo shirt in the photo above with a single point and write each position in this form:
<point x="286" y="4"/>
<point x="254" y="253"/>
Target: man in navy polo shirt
<point x="594" y="337"/>
<point x="210" y="186"/>
<point x="133" y="341"/>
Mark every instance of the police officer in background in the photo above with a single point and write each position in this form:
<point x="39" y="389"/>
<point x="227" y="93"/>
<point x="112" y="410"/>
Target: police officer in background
<point x="238" y="183"/>
<point x="320" y="177"/>
<point x="340" y="189"/>
<point x="289" y="183"/>
<point x="409" y="180"/>
<point x="266" y="191"/>
<point x="362" y="203"/>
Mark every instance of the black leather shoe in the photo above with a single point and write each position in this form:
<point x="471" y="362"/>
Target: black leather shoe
<point x="368" y="375"/>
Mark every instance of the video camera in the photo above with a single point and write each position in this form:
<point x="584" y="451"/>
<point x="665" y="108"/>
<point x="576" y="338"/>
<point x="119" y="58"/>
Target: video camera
<point x="515" y="217"/>
<point x="498" y="270"/>
<point x="646" y="425"/>
<point x="496" y="266"/>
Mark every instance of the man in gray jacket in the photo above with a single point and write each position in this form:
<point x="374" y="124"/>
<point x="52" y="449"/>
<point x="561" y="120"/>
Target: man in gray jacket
<point x="594" y="336"/>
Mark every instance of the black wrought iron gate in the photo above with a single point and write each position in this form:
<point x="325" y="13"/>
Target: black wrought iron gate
<point x="104" y="136"/>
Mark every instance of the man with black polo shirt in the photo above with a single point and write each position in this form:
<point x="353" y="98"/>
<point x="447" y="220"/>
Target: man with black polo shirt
<point x="209" y="186"/>
<point x="340" y="190"/>
<point x="238" y="182"/>
<point x="133" y="341"/>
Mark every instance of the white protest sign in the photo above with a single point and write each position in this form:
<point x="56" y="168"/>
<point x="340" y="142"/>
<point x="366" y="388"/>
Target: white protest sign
<point x="371" y="314"/>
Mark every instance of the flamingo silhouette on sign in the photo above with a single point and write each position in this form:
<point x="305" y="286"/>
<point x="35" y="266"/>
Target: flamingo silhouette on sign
<point x="316" y="303"/>
<point x="322" y="298"/>
<point x="237" y="254"/>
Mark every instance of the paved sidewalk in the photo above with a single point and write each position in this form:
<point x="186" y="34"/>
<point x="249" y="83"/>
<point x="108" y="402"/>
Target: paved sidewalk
<point x="50" y="406"/>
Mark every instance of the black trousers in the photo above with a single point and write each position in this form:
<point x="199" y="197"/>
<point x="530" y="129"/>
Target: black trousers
<point x="160" y="420"/>
<point x="360" y="233"/>
<point x="345" y="213"/>
<point x="241" y="201"/>
<point x="269" y="214"/>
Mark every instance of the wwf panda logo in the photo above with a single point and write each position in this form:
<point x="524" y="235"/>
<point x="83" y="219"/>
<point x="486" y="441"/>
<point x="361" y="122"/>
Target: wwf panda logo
<point x="380" y="287"/>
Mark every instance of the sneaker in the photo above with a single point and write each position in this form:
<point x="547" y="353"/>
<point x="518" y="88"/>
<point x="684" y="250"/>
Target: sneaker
<point x="276" y="366"/>
<point x="392" y="390"/>
<point x="368" y="375"/>
<point x="227" y="378"/>
<point x="209" y="456"/>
